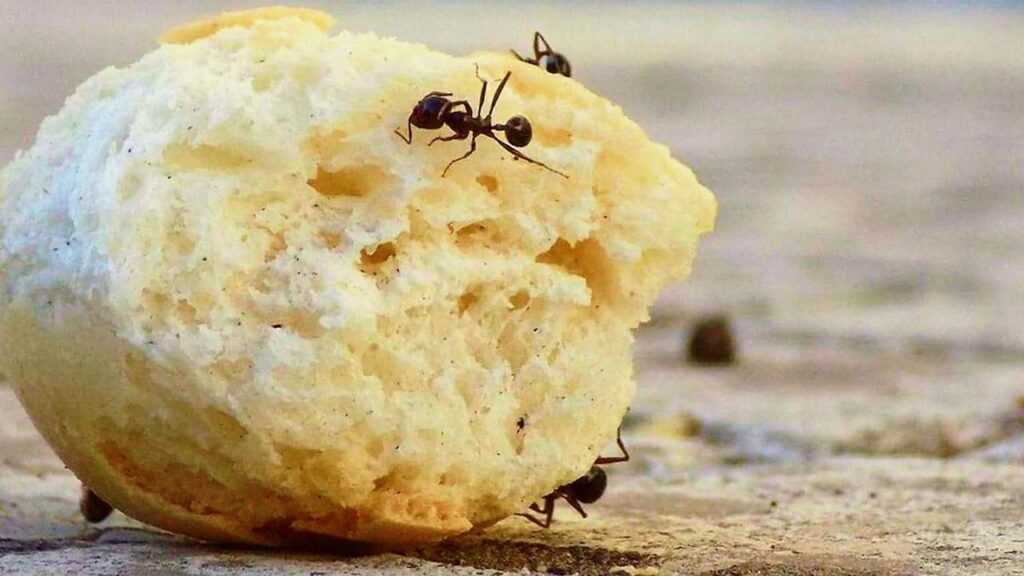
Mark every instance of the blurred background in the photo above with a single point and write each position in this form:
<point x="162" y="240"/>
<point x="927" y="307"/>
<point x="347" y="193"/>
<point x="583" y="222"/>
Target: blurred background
<point x="868" y="158"/>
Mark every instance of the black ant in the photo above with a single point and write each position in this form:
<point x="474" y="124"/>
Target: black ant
<point x="548" y="59"/>
<point x="435" y="111"/>
<point x="586" y="489"/>
<point x="94" y="509"/>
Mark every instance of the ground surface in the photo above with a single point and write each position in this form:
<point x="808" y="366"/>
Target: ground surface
<point x="870" y="253"/>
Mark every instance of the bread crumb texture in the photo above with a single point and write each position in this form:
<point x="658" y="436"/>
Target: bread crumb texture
<point x="241" y="308"/>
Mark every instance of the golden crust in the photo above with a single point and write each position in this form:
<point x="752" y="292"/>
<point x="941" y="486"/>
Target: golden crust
<point x="200" y="29"/>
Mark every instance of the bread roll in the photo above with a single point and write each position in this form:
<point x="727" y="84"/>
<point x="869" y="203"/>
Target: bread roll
<point x="241" y="308"/>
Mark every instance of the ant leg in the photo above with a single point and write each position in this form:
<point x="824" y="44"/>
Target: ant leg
<point x="464" y="104"/>
<point x="497" y="94"/>
<point x="574" y="503"/>
<point x="615" y="459"/>
<point x="537" y="39"/>
<point x="483" y="89"/>
<point x="448" y="138"/>
<point x="532" y="519"/>
<point x="521" y="59"/>
<point x="548" y="512"/>
<point x="472" y="148"/>
<point x="508" y="148"/>
<point x="408" y="139"/>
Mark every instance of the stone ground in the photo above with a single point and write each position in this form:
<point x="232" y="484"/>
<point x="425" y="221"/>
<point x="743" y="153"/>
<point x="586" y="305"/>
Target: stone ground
<point x="870" y="253"/>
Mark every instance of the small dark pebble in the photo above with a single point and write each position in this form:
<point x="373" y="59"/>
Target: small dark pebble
<point x="711" y="342"/>
<point x="275" y="326"/>
<point x="94" y="508"/>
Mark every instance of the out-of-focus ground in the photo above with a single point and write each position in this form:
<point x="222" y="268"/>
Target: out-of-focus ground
<point x="870" y="250"/>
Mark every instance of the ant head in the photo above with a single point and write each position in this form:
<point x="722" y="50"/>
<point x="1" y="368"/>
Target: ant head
<point x="518" y="131"/>
<point x="590" y="487"/>
<point x="429" y="112"/>
<point x="555" y="63"/>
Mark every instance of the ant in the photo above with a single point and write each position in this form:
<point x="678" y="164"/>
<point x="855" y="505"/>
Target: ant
<point x="548" y="59"/>
<point x="435" y="111"/>
<point x="586" y="489"/>
<point x="94" y="509"/>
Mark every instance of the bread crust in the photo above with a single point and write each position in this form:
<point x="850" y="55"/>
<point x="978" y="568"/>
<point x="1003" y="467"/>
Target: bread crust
<point x="188" y="33"/>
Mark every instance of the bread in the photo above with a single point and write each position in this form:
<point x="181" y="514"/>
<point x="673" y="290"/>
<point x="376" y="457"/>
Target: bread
<point x="241" y="308"/>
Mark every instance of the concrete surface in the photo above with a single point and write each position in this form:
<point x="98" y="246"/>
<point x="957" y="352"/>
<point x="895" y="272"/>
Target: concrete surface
<point x="870" y="253"/>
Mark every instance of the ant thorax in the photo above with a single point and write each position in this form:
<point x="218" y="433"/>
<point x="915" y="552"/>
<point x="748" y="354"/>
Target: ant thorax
<point x="460" y="122"/>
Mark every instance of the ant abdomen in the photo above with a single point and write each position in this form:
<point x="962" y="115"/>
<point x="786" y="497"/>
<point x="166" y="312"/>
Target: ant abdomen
<point x="591" y="486"/>
<point x="518" y="131"/>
